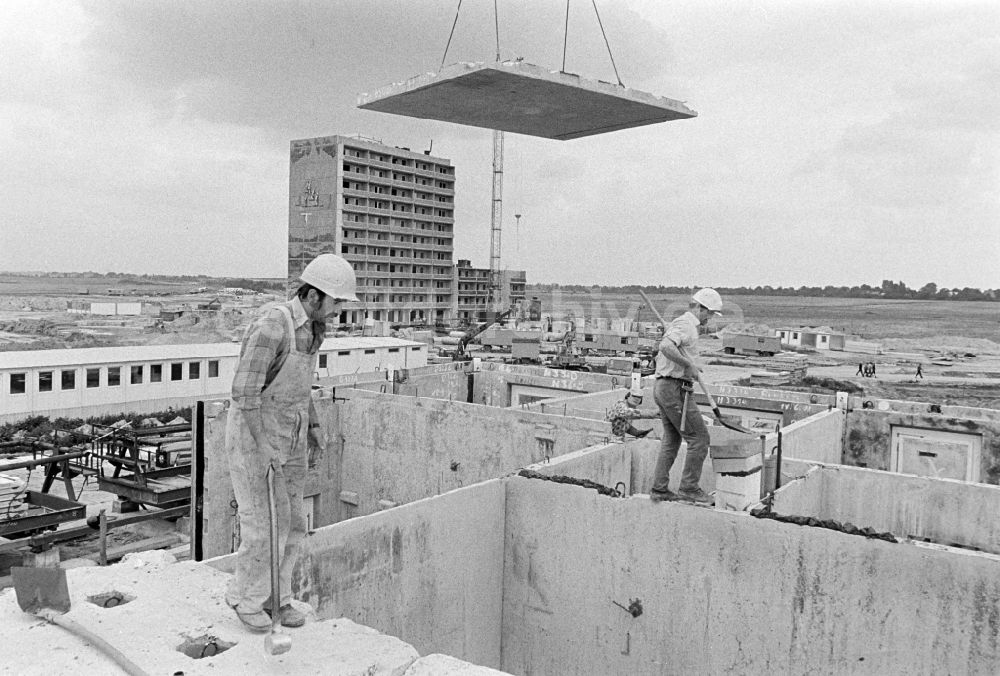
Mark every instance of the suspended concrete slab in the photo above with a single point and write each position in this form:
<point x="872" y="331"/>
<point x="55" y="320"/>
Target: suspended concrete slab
<point x="522" y="98"/>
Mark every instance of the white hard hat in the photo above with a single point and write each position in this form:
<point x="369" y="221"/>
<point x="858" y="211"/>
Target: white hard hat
<point x="709" y="298"/>
<point x="332" y="275"/>
<point x="635" y="392"/>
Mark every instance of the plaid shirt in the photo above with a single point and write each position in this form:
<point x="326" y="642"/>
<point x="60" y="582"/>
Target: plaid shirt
<point x="265" y="346"/>
<point x="621" y="416"/>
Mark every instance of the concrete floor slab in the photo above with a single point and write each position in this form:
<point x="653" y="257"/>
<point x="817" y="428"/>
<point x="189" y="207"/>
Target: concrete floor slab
<point x="175" y="604"/>
<point x="523" y="98"/>
<point x="445" y="665"/>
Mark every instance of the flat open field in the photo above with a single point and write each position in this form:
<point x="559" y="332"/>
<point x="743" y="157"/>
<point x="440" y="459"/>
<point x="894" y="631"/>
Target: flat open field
<point x="17" y="285"/>
<point x="871" y="319"/>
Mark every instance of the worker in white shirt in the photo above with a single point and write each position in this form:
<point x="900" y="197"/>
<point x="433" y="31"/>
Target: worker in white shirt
<point x="676" y="371"/>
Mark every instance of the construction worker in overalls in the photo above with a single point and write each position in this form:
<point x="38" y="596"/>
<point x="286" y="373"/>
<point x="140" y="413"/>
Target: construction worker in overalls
<point x="272" y="426"/>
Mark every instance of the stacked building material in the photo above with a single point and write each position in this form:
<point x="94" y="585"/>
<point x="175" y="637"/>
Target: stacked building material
<point x="794" y="364"/>
<point x="12" y="503"/>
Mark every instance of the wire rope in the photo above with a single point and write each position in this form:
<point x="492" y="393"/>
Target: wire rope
<point x="608" y="44"/>
<point x="451" y="34"/>
<point x="565" y="37"/>
<point x="496" y="25"/>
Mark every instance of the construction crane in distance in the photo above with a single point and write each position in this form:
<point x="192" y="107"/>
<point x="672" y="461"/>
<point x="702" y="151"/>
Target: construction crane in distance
<point x="494" y="298"/>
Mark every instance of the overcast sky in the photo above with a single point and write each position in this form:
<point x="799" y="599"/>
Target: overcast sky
<point x="836" y="142"/>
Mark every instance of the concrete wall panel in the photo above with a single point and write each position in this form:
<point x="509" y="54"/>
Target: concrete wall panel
<point x="607" y="465"/>
<point x="944" y="511"/>
<point x="402" y="449"/>
<point x="322" y="487"/>
<point x="723" y="592"/>
<point x="430" y="574"/>
<point x="492" y="386"/>
<point x="818" y="437"/>
<point x="869" y="433"/>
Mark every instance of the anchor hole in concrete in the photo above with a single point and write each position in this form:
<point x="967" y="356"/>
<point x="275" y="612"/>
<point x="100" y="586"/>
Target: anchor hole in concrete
<point x="203" y="646"/>
<point x="111" y="599"/>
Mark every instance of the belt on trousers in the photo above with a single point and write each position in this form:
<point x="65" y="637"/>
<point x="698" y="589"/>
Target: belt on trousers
<point x="681" y="380"/>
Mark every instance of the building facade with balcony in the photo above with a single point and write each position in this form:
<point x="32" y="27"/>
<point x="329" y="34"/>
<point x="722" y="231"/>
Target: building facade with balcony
<point x="387" y="210"/>
<point x="472" y="289"/>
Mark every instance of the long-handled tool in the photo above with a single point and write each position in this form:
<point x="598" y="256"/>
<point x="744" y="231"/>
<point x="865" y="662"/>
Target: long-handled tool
<point x="277" y="642"/>
<point x="684" y="407"/>
<point x="43" y="592"/>
<point x="711" y="400"/>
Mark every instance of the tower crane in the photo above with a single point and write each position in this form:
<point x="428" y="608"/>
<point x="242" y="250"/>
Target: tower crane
<point x="495" y="295"/>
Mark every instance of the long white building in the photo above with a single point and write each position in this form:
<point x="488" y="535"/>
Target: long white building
<point x="76" y="383"/>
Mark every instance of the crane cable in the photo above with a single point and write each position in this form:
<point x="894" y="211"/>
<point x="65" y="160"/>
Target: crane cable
<point x="608" y="44"/>
<point x="603" y="33"/>
<point x="451" y="34"/>
<point x="496" y="26"/>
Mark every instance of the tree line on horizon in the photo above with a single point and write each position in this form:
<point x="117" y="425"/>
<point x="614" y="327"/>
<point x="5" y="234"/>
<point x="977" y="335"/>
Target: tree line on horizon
<point x="888" y="290"/>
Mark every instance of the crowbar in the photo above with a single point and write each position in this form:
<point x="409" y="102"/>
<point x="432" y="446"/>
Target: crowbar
<point x="701" y="384"/>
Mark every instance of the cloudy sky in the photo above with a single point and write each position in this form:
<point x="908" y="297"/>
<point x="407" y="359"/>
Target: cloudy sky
<point x="837" y="142"/>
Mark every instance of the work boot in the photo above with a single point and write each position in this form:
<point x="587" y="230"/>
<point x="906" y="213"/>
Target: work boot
<point x="257" y="622"/>
<point x="290" y="617"/>
<point x="697" y="495"/>
<point x="657" y="496"/>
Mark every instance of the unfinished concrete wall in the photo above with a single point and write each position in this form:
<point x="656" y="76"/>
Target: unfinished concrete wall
<point x="608" y="465"/>
<point x="869" y="433"/>
<point x="819" y="437"/>
<point x="399" y="449"/>
<point x="723" y="592"/>
<point x="429" y="573"/>
<point x="792" y="406"/>
<point x="385" y="450"/>
<point x="593" y="405"/>
<point x="596" y="405"/>
<point x="220" y="525"/>
<point x="374" y="381"/>
<point x="944" y="511"/>
<point x="917" y="407"/>
<point x="494" y="382"/>
<point x="436" y="381"/>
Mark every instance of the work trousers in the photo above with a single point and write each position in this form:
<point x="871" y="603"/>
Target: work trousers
<point x="250" y="588"/>
<point x="669" y="396"/>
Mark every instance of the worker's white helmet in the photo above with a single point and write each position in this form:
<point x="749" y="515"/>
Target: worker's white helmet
<point x="708" y="298"/>
<point x="635" y="392"/>
<point x="332" y="275"/>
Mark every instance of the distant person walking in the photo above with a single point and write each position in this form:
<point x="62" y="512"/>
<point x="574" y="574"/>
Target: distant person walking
<point x="676" y="369"/>
<point x="920" y="371"/>
<point x="861" y="370"/>
<point x="873" y="370"/>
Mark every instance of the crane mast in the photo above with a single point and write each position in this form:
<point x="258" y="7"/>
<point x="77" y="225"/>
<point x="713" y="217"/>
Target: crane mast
<point x="494" y="297"/>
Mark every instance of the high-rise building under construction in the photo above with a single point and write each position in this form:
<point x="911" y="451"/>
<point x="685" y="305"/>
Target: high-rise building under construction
<point x="389" y="211"/>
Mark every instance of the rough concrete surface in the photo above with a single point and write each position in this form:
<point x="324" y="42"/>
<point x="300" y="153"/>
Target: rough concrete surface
<point x="174" y="602"/>
<point x="818" y="437"/>
<point x="444" y="665"/>
<point x="945" y="511"/>
<point x="723" y="592"/>
<point x="430" y="572"/>
<point x="868" y="442"/>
